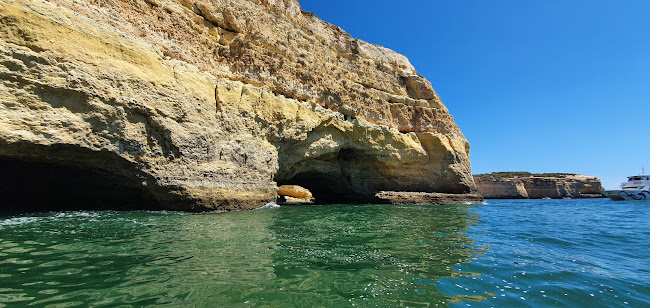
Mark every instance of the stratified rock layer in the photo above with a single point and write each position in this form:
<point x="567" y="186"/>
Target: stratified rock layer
<point x="538" y="187"/>
<point x="203" y="105"/>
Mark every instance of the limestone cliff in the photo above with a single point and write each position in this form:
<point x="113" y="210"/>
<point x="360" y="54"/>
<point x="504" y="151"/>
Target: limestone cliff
<point x="523" y="185"/>
<point x="209" y="104"/>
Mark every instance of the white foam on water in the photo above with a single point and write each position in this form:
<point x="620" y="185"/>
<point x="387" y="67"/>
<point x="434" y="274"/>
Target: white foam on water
<point x="17" y="221"/>
<point x="53" y="216"/>
<point x="76" y="214"/>
<point x="167" y="212"/>
<point x="270" y="205"/>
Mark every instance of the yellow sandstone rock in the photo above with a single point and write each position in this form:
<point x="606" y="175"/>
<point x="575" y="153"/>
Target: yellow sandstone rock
<point x="210" y="104"/>
<point x="295" y="191"/>
<point x="538" y="186"/>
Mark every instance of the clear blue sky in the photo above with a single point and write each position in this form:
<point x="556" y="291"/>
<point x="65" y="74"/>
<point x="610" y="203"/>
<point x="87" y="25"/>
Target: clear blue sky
<point x="539" y="86"/>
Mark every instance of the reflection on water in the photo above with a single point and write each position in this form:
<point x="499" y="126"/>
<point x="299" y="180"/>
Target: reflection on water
<point x="137" y="258"/>
<point x="290" y="256"/>
<point x="370" y="255"/>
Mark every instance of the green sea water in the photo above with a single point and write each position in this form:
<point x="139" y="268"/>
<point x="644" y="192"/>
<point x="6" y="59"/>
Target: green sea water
<point x="506" y="253"/>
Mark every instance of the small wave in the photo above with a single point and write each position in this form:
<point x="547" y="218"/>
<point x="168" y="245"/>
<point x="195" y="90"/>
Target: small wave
<point x="17" y="221"/>
<point x="166" y="212"/>
<point x="270" y="205"/>
<point x="474" y="202"/>
<point x="76" y="214"/>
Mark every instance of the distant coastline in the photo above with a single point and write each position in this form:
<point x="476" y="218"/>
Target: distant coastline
<point x="526" y="185"/>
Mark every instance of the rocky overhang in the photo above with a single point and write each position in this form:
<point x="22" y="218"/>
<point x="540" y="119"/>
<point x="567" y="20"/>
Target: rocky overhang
<point x="210" y="105"/>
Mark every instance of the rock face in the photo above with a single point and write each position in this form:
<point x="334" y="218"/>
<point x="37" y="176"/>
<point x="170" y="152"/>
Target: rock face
<point x="501" y="188"/>
<point x="557" y="186"/>
<point x="210" y="104"/>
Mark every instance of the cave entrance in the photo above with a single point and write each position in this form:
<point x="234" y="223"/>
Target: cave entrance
<point x="333" y="180"/>
<point x="27" y="186"/>
<point x="326" y="188"/>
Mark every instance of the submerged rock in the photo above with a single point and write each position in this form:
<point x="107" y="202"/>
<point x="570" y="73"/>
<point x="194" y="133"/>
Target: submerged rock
<point x="209" y="105"/>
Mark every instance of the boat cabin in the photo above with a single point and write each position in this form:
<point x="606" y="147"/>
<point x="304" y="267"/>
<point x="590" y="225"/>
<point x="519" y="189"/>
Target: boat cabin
<point x="636" y="182"/>
<point x="639" y="178"/>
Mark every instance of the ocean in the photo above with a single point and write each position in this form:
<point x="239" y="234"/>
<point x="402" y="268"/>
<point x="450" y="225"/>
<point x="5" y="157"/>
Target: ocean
<point x="504" y="253"/>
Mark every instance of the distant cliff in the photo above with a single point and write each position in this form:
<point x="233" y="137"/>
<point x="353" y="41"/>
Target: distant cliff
<point x="525" y="185"/>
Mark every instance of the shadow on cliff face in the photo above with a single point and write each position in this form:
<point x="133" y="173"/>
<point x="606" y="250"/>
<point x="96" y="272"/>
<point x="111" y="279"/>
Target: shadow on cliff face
<point x="27" y="185"/>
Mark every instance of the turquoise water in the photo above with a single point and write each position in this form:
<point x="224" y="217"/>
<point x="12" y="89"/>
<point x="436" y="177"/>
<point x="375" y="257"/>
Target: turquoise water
<point x="507" y="253"/>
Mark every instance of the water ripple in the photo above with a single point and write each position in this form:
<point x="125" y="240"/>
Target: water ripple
<point x="504" y="253"/>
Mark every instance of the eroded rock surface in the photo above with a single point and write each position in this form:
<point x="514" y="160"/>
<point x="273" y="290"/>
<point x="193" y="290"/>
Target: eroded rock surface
<point x="294" y="191"/>
<point x="204" y="105"/>
<point x="538" y="186"/>
<point x="294" y="194"/>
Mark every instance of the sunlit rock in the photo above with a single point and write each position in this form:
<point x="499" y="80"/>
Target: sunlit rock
<point x="294" y="191"/>
<point x="524" y="185"/>
<point x="209" y="105"/>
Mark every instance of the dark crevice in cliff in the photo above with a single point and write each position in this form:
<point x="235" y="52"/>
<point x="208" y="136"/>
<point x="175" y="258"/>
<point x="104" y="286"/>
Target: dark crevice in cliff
<point x="336" y="183"/>
<point x="328" y="189"/>
<point x="29" y="186"/>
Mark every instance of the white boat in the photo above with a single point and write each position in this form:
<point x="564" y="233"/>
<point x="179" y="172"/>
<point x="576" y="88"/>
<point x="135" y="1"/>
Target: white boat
<point x="637" y="187"/>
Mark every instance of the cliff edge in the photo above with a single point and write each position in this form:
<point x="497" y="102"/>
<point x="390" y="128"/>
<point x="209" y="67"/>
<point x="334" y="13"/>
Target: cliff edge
<point x="525" y="185"/>
<point x="210" y="105"/>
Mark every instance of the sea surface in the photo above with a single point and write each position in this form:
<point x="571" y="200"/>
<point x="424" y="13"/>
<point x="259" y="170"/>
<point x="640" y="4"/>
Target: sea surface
<point x="505" y="253"/>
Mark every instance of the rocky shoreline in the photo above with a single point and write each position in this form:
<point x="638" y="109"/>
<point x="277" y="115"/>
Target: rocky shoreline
<point x="524" y="185"/>
<point x="211" y="105"/>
